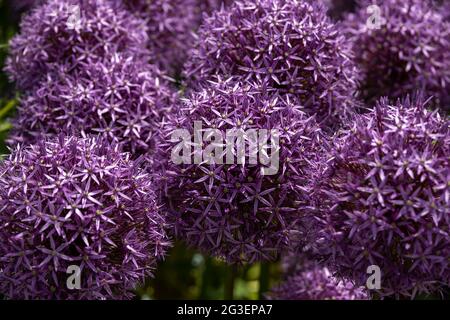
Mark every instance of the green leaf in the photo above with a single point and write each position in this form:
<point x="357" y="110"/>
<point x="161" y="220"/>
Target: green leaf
<point x="6" y="109"/>
<point x="5" y="126"/>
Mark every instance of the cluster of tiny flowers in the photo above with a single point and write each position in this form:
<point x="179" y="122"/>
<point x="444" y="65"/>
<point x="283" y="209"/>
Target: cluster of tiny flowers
<point x="290" y="46"/>
<point x="234" y="211"/>
<point x="314" y="282"/>
<point x="409" y="49"/>
<point x="384" y="199"/>
<point x="121" y="99"/>
<point x="76" y="202"/>
<point x="53" y="34"/>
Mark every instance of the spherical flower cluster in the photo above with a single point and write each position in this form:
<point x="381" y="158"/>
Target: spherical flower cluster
<point x="384" y="199"/>
<point x="121" y="99"/>
<point x="76" y="202"/>
<point x="234" y="204"/>
<point x="288" y="45"/>
<point x="409" y="49"/>
<point x="316" y="283"/>
<point x="70" y="33"/>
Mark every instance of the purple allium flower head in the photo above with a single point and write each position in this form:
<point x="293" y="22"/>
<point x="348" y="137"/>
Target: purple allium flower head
<point x="409" y="51"/>
<point x="81" y="202"/>
<point x="290" y="45"/>
<point x="52" y="34"/>
<point x="232" y="210"/>
<point x="121" y="99"/>
<point x="316" y="283"/>
<point x="384" y="199"/>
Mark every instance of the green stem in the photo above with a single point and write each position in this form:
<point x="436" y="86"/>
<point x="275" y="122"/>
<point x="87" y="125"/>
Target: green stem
<point x="205" y="279"/>
<point x="11" y="104"/>
<point x="264" y="275"/>
<point x="5" y="126"/>
<point x="229" y="282"/>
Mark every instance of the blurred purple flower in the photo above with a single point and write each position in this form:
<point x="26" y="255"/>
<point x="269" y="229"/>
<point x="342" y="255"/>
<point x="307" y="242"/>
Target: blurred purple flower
<point x="445" y="9"/>
<point x="24" y="5"/>
<point x="337" y="9"/>
<point x="170" y="26"/>
<point x="410" y="50"/>
<point x="316" y="283"/>
<point x="209" y="6"/>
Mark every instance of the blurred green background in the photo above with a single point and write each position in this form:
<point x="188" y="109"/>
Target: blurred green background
<point x="185" y="274"/>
